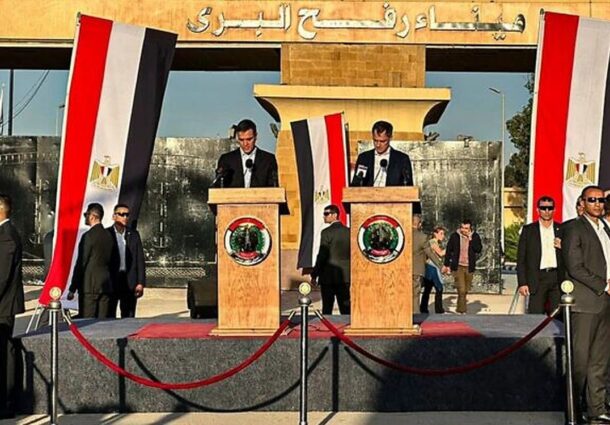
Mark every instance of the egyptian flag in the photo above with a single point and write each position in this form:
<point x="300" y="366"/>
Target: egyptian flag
<point x="116" y="85"/>
<point x="322" y="166"/>
<point x="570" y="145"/>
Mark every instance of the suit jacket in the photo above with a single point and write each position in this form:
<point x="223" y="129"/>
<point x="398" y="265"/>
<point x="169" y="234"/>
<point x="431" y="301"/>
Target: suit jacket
<point x="452" y="254"/>
<point x="399" y="171"/>
<point x="333" y="260"/>
<point x="420" y="241"/>
<point x="134" y="259"/>
<point x="11" y="282"/>
<point x="91" y="273"/>
<point x="585" y="266"/>
<point x="264" y="170"/>
<point x="529" y="253"/>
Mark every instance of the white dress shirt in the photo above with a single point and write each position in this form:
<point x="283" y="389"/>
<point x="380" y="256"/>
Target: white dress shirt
<point x="548" y="258"/>
<point x="247" y="171"/>
<point x="381" y="173"/>
<point x="122" y="244"/>
<point x="605" y="241"/>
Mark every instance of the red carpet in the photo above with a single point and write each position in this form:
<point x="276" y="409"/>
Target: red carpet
<point x="316" y="330"/>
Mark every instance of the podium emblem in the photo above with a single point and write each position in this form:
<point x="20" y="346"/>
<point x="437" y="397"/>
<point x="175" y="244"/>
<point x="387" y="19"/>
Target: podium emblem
<point x="381" y="239"/>
<point x="247" y="241"/>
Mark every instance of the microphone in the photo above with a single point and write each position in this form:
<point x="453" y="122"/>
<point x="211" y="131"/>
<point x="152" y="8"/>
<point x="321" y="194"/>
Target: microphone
<point x="220" y="175"/>
<point x="383" y="164"/>
<point x="249" y="165"/>
<point x="407" y="180"/>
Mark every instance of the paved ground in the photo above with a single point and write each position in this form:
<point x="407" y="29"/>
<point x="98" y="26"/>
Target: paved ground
<point x="314" y="418"/>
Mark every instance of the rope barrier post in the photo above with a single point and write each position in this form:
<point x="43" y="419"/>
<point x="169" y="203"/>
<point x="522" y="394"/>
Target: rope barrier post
<point x="567" y="301"/>
<point x="55" y="311"/>
<point x="304" y="302"/>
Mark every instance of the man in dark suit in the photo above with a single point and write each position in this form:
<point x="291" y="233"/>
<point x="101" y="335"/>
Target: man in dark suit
<point x="11" y="304"/>
<point x="127" y="267"/>
<point x="332" y="269"/>
<point x="586" y="254"/>
<point x="91" y="275"/>
<point x="383" y="165"/>
<point x="463" y="248"/>
<point x="248" y="165"/>
<point x="539" y="260"/>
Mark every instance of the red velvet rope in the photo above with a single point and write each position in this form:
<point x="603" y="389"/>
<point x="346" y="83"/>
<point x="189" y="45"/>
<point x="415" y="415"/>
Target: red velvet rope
<point x="183" y="385"/>
<point x="437" y="372"/>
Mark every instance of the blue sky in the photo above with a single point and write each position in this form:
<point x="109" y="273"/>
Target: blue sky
<point x="207" y="103"/>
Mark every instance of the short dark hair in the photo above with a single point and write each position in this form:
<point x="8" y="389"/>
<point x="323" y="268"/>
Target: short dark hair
<point x="245" y="125"/>
<point x="590" y="187"/>
<point x="333" y="209"/>
<point x="545" y="199"/>
<point x="381" y="127"/>
<point x="467" y="221"/>
<point x="117" y="206"/>
<point x="96" y="210"/>
<point x="6" y="203"/>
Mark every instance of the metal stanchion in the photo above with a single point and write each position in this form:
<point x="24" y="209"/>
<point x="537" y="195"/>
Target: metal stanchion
<point x="567" y="301"/>
<point x="55" y="311"/>
<point x="304" y="302"/>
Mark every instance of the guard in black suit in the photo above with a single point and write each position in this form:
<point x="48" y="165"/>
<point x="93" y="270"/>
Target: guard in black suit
<point x="539" y="260"/>
<point x="11" y="304"/>
<point x="332" y="269"/>
<point x="246" y="166"/>
<point x="91" y="275"/>
<point x="383" y="165"/>
<point x="586" y="255"/>
<point x="127" y="267"/>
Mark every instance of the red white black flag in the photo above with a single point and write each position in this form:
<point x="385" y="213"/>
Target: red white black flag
<point x="322" y="166"/>
<point x="570" y="145"/>
<point x="115" y="91"/>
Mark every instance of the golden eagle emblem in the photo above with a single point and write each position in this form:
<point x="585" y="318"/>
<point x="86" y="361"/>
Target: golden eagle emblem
<point x="104" y="174"/>
<point x="580" y="172"/>
<point x="322" y="195"/>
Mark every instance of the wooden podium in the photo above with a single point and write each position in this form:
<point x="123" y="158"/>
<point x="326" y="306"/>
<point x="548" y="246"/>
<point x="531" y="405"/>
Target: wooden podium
<point x="381" y="285"/>
<point x="248" y="247"/>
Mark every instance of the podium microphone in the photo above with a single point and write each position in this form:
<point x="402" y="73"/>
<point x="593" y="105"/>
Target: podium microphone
<point x="220" y="176"/>
<point x="407" y="180"/>
<point x="249" y="165"/>
<point x="383" y="164"/>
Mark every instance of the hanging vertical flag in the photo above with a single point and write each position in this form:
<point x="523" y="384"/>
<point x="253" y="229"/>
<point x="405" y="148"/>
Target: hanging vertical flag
<point x="116" y="85"/>
<point x="322" y="166"/>
<point x="570" y="142"/>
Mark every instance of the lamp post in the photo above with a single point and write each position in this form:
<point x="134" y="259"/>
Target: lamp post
<point x="57" y="128"/>
<point x="503" y="125"/>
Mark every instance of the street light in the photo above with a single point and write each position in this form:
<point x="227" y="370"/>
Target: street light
<point x="59" y="108"/>
<point x="503" y="123"/>
<point x="501" y="93"/>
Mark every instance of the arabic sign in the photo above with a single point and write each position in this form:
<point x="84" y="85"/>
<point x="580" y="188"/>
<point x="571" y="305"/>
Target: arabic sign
<point x="398" y="22"/>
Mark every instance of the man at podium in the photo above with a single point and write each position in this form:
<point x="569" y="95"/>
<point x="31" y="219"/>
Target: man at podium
<point x="248" y="165"/>
<point x="383" y="165"/>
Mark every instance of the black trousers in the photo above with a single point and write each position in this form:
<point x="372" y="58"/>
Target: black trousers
<point x="123" y="297"/>
<point x="547" y="291"/>
<point x="425" y="298"/>
<point x="591" y="341"/>
<point x="94" y="306"/>
<point x="332" y="291"/>
<point x="10" y="364"/>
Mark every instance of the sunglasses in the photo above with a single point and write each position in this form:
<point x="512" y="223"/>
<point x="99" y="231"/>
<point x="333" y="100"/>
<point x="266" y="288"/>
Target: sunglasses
<point x="326" y="213"/>
<point x="122" y="214"/>
<point x="593" y="200"/>
<point x="546" y="208"/>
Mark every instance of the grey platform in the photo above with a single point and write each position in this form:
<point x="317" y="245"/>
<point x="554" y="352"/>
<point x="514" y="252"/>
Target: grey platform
<point x="339" y="379"/>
